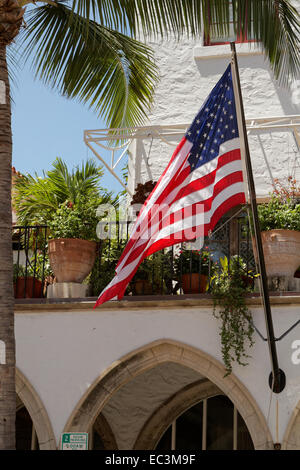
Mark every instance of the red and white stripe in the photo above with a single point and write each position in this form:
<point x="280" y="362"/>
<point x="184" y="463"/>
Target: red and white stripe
<point x="209" y="191"/>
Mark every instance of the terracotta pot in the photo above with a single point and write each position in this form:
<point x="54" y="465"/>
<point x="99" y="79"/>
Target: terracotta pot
<point x="142" y="287"/>
<point x="28" y="288"/>
<point x="281" y="251"/>
<point x="194" y="283"/>
<point x="71" y="259"/>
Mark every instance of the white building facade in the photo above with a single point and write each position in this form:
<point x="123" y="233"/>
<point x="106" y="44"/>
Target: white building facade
<point x="138" y="365"/>
<point x="139" y="374"/>
<point x="188" y="72"/>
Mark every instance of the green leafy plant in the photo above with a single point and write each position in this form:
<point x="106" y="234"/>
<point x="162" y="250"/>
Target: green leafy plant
<point x="229" y="284"/>
<point x="75" y="220"/>
<point x="278" y="215"/>
<point x="36" y="198"/>
<point x="108" y="255"/>
<point x="38" y="267"/>
<point x="283" y="209"/>
<point x="64" y="200"/>
<point x="18" y="271"/>
<point x="157" y="270"/>
<point x="144" y="271"/>
<point x="191" y="261"/>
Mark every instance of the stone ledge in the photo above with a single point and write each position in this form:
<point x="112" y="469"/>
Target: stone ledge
<point x="142" y="303"/>
<point x="223" y="51"/>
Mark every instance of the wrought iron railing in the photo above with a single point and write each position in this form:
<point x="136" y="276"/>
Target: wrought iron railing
<point x="172" y="271"/>
<point x="176" y="270"/>
<point x="30" y="260"/>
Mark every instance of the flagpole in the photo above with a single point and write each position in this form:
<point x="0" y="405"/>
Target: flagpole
<point x="277" y="376"/>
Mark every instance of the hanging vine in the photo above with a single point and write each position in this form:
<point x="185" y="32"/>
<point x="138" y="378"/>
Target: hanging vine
<point x="228" y="289"/>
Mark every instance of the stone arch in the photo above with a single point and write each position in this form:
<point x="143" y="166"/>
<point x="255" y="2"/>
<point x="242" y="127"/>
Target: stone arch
<point x="158" y="352"/>
<point x="291" y="439"/>
<point x="177" y="404"/>
<point x="37" y="411"/>
<point x="105" y="432"/>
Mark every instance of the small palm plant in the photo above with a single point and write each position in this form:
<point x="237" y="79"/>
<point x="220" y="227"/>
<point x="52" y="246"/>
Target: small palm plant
<point x="36" y="199"/>
<point x="66" y="201"/>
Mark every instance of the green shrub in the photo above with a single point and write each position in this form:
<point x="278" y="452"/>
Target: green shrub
<point x="191" y="261"/>
<point x="75" y="220"/>
<point x="277" y="214"/>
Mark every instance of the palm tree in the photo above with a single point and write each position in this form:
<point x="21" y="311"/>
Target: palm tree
<point x="86" y="49"/>
<point x="36" y="198"/>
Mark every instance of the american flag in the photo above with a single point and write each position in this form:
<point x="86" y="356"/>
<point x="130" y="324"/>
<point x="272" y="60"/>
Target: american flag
<point x="203" y="180"/>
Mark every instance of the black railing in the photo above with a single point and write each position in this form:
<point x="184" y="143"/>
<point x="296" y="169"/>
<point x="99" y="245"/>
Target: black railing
<point x="30" y="257"/>
<point x="172" y="271"/>
<point x="176" y="270"/>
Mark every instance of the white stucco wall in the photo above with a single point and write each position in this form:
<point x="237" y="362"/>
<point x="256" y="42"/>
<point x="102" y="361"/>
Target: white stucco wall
<point x="62" y="353"/>
<point x="188" y="72"/>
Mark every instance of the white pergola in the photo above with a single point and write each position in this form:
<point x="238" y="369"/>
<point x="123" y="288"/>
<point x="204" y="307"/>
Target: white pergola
<point x="117" y="141"/>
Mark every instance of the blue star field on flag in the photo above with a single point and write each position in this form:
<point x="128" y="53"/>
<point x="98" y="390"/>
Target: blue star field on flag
<point x="215" y="123"/>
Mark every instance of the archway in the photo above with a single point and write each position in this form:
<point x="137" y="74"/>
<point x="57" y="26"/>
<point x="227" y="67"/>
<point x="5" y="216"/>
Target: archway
<point x="291" y="440"/>
<point x="30" y="400"/>
<point x="103" y="438"/>
<point x="158" y="352"/>
<point x="193" y="418"/>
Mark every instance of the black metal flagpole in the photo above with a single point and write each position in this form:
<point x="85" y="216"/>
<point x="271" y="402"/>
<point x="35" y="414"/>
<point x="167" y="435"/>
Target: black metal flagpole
<point x="277" y="376"/>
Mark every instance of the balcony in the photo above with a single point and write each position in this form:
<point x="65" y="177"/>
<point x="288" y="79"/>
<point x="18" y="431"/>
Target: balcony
<point x="178" y="272"/>
<point x="163" y="274"/>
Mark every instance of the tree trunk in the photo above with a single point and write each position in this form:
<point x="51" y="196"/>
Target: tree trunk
<point x="7" y="338"/>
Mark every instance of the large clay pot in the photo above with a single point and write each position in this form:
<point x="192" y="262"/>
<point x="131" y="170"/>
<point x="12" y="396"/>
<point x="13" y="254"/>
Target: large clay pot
<point x="281" y="251"/>
<point x="71" y="259"/>
<point x="194" y="283"/>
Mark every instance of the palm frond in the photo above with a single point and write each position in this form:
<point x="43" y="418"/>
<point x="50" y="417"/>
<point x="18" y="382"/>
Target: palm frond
<point x="112" y="73"/>
<point x="80" y="182"/>
<point x="33" y="199"/>
<point x="155" y="17"/>
<point x="283" y="52"/>
<point x="13" y="66"/>
<point x="274" y="23"/>
<point x="96" y="63"/>
<point x="37" y="198"/>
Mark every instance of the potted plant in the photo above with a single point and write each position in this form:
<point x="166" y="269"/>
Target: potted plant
<point x="66" y="201"/>
<point x="229" y="284"/>
<point x="280" y="230"/>
<point x="191" y="270"/>
<point x="72" y="246"/>
<point x="108" y="254"/>
<point x="25" y="285"/>
<point x="29" y="280"/>
<point x="141" y="283"/>
<point x="154" y="275"/>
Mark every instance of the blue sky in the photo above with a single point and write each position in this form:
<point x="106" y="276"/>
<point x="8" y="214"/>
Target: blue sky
<point x="46" y="125"/>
